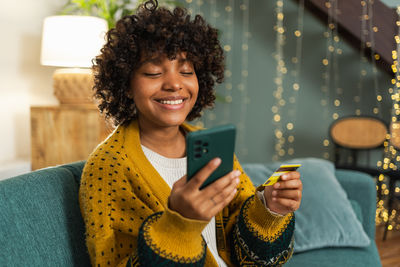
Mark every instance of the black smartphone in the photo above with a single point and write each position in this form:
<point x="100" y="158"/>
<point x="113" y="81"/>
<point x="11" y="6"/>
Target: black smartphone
<point x="204" y="145"/>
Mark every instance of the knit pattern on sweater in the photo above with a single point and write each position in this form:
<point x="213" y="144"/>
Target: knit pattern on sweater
<point x="124" y="203"/>
<point x="253" y="247"/>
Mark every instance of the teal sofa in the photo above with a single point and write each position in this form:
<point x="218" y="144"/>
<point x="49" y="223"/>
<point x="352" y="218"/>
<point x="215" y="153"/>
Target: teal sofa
<point x="41" y="224"/>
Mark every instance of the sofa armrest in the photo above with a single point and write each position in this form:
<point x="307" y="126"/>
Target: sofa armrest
<point x="361" y="188"/>
<point x="76" y="169"/>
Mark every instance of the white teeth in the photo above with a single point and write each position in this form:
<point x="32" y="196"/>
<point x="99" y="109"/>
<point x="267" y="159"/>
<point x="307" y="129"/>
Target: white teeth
<point x="169" y="102"/>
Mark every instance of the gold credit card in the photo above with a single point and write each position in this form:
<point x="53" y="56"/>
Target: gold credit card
<point x="285" y="168"/>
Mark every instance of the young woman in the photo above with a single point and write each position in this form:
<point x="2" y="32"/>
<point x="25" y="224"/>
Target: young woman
<point x="157" y="71"/>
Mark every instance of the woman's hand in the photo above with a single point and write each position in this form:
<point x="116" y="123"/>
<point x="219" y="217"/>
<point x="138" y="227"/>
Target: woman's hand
<point x="189" y="201"/>
<point x="284" y="196"/>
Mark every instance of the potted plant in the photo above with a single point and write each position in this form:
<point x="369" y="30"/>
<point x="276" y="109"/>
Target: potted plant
<point x="110" y="10"/>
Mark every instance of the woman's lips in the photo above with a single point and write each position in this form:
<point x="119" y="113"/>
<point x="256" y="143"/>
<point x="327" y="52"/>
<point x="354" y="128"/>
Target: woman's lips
<point x="171" y="104"/>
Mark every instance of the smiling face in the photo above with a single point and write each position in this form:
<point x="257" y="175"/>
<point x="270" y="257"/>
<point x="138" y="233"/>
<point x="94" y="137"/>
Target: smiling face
<point x="164" y="90"/>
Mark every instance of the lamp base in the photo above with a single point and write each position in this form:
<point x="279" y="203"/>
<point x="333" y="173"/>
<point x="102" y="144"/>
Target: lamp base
<point x="73" y="86"/>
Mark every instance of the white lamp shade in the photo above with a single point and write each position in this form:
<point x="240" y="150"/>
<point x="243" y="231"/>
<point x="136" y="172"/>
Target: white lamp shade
<point x="72" y="41"/>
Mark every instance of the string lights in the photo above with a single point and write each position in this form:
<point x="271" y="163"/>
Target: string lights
<point x="335" y="50"/>
<point x="374" y="57"/>
<point x="330" y="63"/>
<point x="223" y="18"/>
<point x="285" y="125"/>
<point x="211" y="116"/>
<point x="332" y="95"/>
<point x="194" y="8"/>
<point x="392" y="158"/>
<point x="367" y="18"/>
<point x="228" y="48"/>
<point x="242" y="86"/>
<point x="363" y="59"/>
<point x="293" y="99"/>
<point x="382" y="214"/>
<point x="281" y="71"/>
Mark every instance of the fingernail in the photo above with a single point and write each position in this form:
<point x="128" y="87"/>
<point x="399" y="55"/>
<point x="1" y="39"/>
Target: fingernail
<point x="274" y="199"/>
<point x="217" y="161"/>
<point x="284" y="177"/>
<point x="237" y="180"/>
<point x="277" y="185"/>
<point x="237" y="173"/>
<point x="274" y="193"/>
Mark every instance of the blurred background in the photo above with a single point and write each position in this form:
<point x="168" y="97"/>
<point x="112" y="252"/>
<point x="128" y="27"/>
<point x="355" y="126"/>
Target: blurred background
<point x="289" y="75"/>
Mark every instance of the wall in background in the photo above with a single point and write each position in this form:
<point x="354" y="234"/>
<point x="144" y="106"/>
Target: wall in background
<point x="312" y="117"/>
<point x="23" y="81"/>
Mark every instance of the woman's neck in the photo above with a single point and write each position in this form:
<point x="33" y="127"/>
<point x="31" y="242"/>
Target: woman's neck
<point x="166" y="141"/>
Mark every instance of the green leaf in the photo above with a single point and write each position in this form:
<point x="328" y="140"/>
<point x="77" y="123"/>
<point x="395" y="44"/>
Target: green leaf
<point x="70" y="10"/>
<point x="126" y="12"/>
<point x="79" y="3"/>
<point x="175" y="3"/>
<point x="106" y="9"/>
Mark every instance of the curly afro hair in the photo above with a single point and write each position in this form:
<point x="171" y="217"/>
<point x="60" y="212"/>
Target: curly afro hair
<point x="154" y="31"/>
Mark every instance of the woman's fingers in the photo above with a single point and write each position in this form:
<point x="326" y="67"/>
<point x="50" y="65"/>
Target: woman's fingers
<point x="221" y="200"/>
<point x="201" y="176"/>
<point x="290" y="194"/>
<point x="221" y="195"/>
<point x="191" y="202"/>
<point x="290" y="204"/>
<point x="219" y="185"/>
<point x="285" y="195"/>
<point x="290" y="176"/>
<point x="212" y="204"/>
<point x="288" y="184"/>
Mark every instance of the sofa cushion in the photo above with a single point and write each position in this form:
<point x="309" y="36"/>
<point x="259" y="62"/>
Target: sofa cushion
<point x="361" y="188"/>
<point x="325" y="217"/>
<point x="357" y="210"/>
<point x="40" y="221"/>
<point x="334" y="257"/>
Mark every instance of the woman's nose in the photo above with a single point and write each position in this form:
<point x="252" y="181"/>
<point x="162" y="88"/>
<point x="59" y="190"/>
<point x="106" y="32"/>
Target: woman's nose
<point x="172" y="82"/>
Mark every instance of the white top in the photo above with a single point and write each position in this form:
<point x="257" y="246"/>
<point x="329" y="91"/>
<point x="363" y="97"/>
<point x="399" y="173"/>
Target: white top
<point x="171" y="170"/>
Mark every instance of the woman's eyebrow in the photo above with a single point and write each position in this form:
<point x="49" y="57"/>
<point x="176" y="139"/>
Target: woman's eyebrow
<point x="183" y="60"/>
<point x="154" y="60"/>
<point x="158" y="61"/>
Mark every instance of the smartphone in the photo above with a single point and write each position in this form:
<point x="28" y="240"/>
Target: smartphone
<point x="204" y="145"/>
<point x="274" y="178"/>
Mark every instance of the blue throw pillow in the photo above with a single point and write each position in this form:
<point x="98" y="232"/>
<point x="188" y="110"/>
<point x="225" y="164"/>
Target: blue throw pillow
<point x="325" y="217"/>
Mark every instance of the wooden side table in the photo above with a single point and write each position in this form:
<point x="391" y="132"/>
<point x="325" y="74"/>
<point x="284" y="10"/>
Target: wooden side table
<point x="65" y="133"/>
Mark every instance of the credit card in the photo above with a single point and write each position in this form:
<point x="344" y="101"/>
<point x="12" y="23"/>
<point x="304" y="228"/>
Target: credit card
<point x="285" y="168"/>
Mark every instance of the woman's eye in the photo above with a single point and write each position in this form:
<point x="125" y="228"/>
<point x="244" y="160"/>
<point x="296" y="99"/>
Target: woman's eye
<point x="187" y="72"/>
<point x="151" y="74"/>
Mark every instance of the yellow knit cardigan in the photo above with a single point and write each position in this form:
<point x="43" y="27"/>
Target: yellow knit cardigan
<point x="124" y="203"/>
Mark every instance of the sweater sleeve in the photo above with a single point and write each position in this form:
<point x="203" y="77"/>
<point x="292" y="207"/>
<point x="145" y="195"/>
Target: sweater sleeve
<point x="168" y="239"/>
<point x="126" y="225"/>
<point x="256" y="236"/>
<point x="101" y="208"/>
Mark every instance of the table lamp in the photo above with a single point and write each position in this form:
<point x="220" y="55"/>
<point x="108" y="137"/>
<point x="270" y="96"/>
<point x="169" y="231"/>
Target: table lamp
<point x="72" y="42"/>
